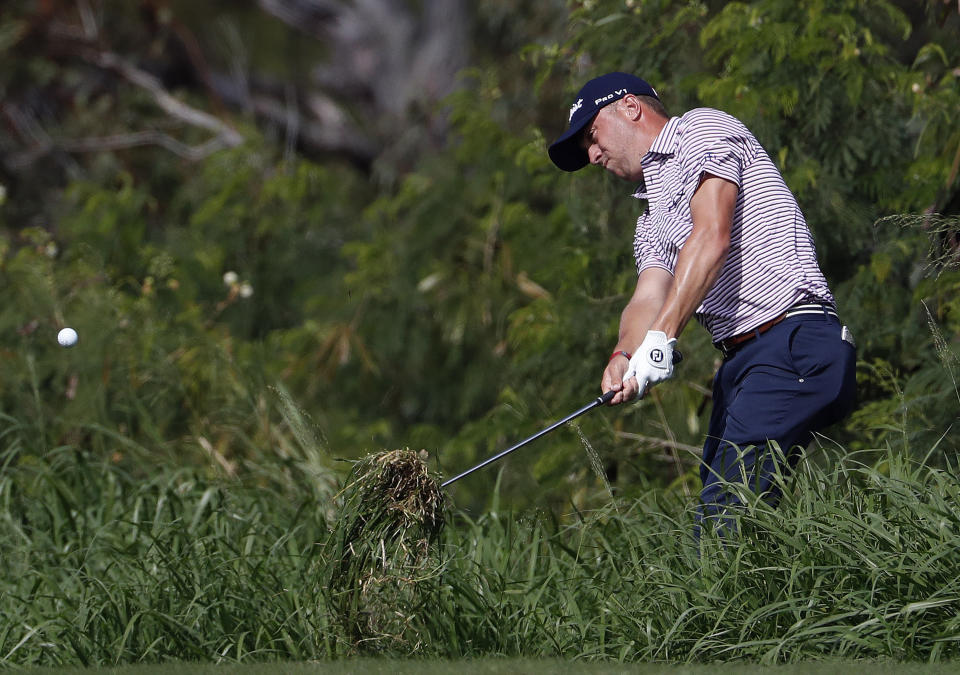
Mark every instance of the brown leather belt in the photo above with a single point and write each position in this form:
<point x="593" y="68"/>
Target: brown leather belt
<point x="728" y="345"/>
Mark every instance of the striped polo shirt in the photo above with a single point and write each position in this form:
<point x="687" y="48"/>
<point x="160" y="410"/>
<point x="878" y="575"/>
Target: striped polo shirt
<point x="772" y="262"/>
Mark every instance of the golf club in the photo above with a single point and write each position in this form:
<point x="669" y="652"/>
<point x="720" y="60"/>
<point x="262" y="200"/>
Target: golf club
<point x="600" y="400"/>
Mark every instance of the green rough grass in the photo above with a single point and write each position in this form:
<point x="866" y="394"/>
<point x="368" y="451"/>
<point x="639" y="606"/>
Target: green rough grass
<point x="107" y="565"/>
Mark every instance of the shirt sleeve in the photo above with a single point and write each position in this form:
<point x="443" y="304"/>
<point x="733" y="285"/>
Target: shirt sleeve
<point x="648" y="250"/>
<point x="720" y="151"/>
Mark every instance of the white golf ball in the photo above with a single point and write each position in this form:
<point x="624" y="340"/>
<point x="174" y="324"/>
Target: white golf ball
<point x="67" y="337"/>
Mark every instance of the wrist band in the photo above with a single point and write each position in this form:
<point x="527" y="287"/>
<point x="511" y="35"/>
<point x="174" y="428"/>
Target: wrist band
<point x="619" y="353"/>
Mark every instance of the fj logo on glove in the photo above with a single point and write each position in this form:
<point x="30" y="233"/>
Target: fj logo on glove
<point x="656" y="356"/>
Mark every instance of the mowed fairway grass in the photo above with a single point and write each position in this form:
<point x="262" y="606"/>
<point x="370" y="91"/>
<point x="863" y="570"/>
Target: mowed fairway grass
<point x="368" y="666"/>
<point x="106" y="565"/>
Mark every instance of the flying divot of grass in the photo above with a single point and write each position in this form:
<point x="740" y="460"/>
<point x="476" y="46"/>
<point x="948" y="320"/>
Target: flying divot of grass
<point x="390" y="510"/>
<point x="595" y="462"/>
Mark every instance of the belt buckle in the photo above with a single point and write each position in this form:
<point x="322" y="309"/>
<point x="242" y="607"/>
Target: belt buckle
<point x="726" y="351"/>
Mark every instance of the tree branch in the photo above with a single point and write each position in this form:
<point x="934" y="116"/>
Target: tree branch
<point x="307" y="16"/>
<point x="659" y="442"/>
<point x="228" y="136"/>
<point x="192" y="153"/>
<point x="42" y="144"/>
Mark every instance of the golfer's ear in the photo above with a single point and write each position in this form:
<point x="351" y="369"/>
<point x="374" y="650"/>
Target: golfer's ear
<point x="631" y="107"/>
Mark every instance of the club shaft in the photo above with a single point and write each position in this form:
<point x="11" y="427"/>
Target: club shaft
<point x="600" y="400"/>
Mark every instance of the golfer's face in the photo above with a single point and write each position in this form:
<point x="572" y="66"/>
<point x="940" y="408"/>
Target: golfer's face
<point x="608" y="140"/>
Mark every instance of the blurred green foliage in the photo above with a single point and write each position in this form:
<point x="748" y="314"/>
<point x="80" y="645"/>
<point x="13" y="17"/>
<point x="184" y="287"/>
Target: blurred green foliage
<point x="475" y="298"/>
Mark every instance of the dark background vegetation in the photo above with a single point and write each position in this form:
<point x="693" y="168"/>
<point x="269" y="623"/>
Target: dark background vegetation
<point x="408" y="269"/>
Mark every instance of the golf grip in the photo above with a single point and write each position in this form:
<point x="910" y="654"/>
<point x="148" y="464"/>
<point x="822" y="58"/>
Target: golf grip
<point x="600" y="400"/>
<point x="607" y="396"/>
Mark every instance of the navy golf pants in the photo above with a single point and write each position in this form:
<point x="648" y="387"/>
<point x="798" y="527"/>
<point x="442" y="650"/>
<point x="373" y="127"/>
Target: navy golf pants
<point x="768" y="399"/>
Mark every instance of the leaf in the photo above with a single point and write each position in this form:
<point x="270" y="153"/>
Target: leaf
<point x="11" y="33"/>
<point x="881" y="264"/>
<point x="928" y="52"/>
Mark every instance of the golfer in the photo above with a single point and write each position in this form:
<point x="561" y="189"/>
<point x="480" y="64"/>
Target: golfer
<point x="722" y="239"/>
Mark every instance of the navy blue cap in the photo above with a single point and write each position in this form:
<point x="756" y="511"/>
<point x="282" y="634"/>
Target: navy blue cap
<point x="566" y="151"/>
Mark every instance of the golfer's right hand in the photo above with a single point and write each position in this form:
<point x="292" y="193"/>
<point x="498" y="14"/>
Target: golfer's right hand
<point x="613" y="379"/>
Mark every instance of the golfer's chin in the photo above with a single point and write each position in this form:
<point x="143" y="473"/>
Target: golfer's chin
<point x="626" y="175"/>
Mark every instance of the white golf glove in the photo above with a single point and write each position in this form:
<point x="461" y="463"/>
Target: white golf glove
<point x="652" y="362"/>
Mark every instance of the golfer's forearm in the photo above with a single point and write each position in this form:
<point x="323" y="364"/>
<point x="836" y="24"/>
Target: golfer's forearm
<point x="703" y="254"/>
<point x="698" y="265"/>
<point x="644" y="306"/>
<point x="635" y="321"/>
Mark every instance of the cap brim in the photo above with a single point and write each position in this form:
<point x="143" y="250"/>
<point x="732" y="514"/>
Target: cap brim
<point x="566" y="152"/>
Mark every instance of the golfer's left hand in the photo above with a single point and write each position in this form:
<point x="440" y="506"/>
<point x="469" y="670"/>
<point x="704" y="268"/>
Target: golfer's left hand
<point x="651" y="363"/>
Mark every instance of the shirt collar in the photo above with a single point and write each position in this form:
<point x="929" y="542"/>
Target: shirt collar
<point x="666" y="141"/>
<point x="665" y="145"/>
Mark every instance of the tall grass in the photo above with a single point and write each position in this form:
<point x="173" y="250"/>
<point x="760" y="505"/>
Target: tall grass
<point x="107" y="564"/>
<point x="101" y="566"/>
